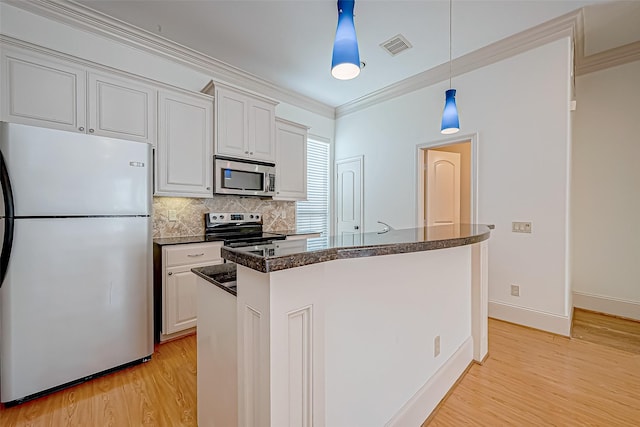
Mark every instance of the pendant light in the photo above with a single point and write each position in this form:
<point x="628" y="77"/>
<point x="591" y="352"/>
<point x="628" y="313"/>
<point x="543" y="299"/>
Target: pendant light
<point x="450" y="122"/>
<point x="345" y="63"/>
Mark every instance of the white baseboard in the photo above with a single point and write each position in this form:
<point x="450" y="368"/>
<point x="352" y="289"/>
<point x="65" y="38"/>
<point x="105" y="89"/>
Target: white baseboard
<point x="420" y="406"/>
<point x="553" y="323"/>
<point x="607" y="305"/>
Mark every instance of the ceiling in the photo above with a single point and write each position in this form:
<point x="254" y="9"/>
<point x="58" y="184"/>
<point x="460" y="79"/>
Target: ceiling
<point x="289" y="43"/>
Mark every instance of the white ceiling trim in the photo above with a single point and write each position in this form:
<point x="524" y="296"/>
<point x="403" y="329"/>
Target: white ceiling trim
<point x="568" y="25"/>
<point x="562" y="26"/>
<point x="609" y="58"/>
<point x="95" y="22"/>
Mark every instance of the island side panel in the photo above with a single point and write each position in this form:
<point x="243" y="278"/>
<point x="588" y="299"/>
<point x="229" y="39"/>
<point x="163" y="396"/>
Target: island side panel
<point x="217" y="380"/>
<point x="480" y="300"/>
<point x="254" y="360"/>
<point x="368" y="336"/>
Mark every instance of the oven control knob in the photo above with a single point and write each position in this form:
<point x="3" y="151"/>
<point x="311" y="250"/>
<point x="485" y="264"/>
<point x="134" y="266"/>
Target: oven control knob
<point x="257" y="216"/>
<point x="221" y="216"/>
<point x="214" y="217"/>
<point x="251" y="216"/>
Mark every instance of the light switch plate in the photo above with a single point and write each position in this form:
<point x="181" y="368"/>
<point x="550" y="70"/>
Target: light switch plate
<point x="521" y="227"/>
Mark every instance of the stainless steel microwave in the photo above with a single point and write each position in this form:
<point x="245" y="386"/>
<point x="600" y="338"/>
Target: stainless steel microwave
<point x="244" y="177"/>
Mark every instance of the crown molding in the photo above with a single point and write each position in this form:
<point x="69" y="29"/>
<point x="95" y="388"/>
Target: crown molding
<point x="79" y="16"/>
<point x="568" y="25"/>
<point x="562" y="26"/>
<point x="609" y="58"/>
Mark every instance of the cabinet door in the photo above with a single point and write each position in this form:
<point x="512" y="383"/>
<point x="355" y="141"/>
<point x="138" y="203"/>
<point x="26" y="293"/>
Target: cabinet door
<point x="291" y="162"/>
<point x="41" y="92"/>
<point x="262" y="131"/>
<point x="232" y="127"/>
<point x="181" y="305"/>
<point x="184" y="160"/>
<point x="121" y="108"/>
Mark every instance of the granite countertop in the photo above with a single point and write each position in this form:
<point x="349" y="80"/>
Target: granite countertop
<point x="221" y="275"/>
<point x="181" y="240"/>
<point x="295" y="232"/>
<point x="286" y="254"/>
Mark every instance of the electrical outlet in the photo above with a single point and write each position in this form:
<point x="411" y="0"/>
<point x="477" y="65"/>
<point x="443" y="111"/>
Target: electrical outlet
<point x="172" y="214"/>
<point x="436" y="346"/>
<point x="521" y="227"/>
<point x="515" y="290"/>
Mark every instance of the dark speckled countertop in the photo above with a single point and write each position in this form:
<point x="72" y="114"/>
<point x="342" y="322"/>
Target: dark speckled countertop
<point x="286" y="254"/>
<point x="182" y="240"/>
<point x="221" y="275"/>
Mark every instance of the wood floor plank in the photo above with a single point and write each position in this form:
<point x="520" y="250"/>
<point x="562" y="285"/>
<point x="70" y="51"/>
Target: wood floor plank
<point x="535" y="378"/>
<point x="161" y="392"/>
<point x="531" y="378"/>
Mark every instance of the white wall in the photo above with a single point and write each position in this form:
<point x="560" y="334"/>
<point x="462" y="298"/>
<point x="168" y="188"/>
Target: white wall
<point x="606" y="191"/>
<point x="520" y="109"/>
<point x="27" y="26"/>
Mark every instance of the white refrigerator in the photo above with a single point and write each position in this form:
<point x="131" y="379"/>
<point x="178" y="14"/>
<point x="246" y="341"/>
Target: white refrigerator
<point x="76" y="259"/>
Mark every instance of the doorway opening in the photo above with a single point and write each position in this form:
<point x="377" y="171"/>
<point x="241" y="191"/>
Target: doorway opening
<point x="447" y="181"/>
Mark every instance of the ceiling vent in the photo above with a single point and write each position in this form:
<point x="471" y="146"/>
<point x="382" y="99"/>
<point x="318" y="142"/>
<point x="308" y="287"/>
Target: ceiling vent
<point x="395" y="45"/>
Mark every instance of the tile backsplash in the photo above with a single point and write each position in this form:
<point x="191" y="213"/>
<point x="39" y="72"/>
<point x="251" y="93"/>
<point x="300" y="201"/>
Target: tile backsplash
<point x="276" y="215"/>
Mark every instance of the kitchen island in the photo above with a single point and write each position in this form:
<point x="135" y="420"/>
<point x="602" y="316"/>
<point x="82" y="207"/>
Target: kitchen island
<point x="337" y="332"/>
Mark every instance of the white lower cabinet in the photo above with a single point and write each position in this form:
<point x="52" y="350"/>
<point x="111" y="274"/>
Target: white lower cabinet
<point x="179" y="285"/>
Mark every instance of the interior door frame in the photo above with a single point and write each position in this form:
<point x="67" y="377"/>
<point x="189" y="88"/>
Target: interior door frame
<point x="420" y="175"/>
<point x="360" y="160"/>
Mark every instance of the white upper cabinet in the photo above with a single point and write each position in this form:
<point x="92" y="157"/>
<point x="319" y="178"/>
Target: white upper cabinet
<point x="245" y="124"/>
<point x="184" y="157"/>
<point x="50" y="92"/>
<point x="42" y="92"/>
<point x="291" y="161"/>
<point x="121" y="108"/>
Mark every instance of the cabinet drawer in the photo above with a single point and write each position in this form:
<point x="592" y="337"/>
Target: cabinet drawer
<point x="192" y="254"/>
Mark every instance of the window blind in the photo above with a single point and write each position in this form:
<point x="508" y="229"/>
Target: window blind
<point x="313" y="214"/>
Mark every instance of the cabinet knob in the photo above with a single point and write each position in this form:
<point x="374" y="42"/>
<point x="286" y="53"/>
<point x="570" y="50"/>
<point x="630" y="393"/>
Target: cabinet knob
<point x="170" y="273"/>
<point x="251" y="153"/>
<point x="81" y="128"/>
<point x="208" y="188"/>
<point x="91" y="131"/>
<point x="246" y="152"/>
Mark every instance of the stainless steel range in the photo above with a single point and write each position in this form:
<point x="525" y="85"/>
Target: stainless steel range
<point x="237" y="229"/>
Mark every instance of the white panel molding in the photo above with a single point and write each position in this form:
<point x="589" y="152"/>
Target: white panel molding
<point x="87" y="19"/>
<point x="560" y="325"/>
<point x="421" y="404"/>
<point x="607" y="305"/>
<point x="609" y="58"/>
<point x="252" y="361"/>
<point x="300" y="365"/>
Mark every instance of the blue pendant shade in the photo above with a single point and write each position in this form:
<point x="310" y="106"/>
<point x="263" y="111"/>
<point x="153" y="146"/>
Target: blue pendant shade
<point x="450" y="122"/>
<point x="345" y="64"/>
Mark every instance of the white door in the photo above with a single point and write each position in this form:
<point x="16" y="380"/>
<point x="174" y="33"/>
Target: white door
<point x="442" y="196"/>
<point x="349" y="200"/>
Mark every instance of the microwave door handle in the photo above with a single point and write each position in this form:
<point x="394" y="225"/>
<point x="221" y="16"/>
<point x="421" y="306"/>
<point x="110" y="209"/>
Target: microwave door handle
<point x="267" y="187"/>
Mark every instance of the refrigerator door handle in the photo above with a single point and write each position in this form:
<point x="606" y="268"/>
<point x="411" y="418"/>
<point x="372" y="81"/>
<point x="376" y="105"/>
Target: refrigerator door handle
<point x="7" y="239"/>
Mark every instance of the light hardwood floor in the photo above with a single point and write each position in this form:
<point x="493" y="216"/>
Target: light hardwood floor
<point x="534" y="378"/>
<point x="531" y="378"/>
<point x="161" y="392"/>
